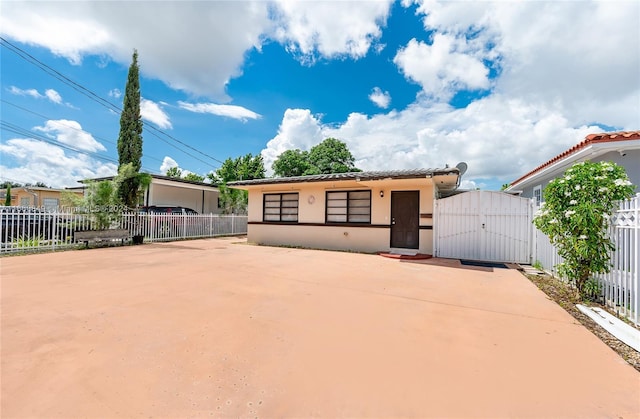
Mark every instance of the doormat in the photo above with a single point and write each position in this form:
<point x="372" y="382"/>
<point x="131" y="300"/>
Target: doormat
<point x="484" y="264"/>
<point x="418" y="256"/>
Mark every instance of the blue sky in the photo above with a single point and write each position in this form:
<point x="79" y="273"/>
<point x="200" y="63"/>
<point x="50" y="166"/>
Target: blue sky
<point x="502" y="86"/>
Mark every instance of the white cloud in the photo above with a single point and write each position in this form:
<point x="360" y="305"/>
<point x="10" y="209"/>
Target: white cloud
<point x="499" y="138"/>
<point x="53" y="96"/>
<point x="230" y="111"/>
<point x="72" y="134"/>
<point x="330" y="29"/>
<point x="115" y="93"/>
<point x="445" y="66"/>
<point x="380" y="98"/>
<point x="566" y="55"/>
<point x="194" y="46"/>
<point x="43" y="162"/>
<point x="50" y="94"/>
<point x="152" y="112"/>
<point x="167" y="163"/>
<point x="298" y="129"/>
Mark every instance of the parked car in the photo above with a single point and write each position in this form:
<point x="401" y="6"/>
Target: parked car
<point x="23" y="223"/>
<point x="167" y="209"/>
<point x="170" y="221"/>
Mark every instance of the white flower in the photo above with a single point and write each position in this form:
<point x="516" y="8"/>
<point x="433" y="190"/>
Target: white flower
<point x="569" y="213"/>
<point x="573" y="202"/>
<point x="561" y="181"/>
<point x="582" y="237"/>
<point x="567" y="194"/>
<point x="603" y="189"/>
<point x="578" y="187"/>
<point x="568" y="177"/>
<point x="553" y="221"/>
<point x="621" y="182"/>
<point x="609" y="168"/>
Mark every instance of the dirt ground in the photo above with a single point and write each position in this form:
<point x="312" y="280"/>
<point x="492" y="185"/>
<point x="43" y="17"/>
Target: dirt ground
<point x="215" y="328"/>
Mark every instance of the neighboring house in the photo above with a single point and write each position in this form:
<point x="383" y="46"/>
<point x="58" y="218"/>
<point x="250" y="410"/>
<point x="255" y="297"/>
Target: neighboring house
<point x="165" y="190"/>
<point x="622" y="148"/>
<point x="362" y="211"/>
<point x="33" y="196"/>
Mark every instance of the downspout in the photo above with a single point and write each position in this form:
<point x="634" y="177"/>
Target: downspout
<point x="202" y="212"/>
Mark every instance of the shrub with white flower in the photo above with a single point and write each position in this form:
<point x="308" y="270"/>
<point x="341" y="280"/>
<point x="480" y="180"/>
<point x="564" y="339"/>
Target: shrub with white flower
<point x="576" y="217"/>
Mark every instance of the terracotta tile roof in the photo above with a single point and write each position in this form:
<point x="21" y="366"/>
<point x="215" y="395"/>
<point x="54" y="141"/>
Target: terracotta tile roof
<point x="392" y="174"/>
<point x="604" y="137"/>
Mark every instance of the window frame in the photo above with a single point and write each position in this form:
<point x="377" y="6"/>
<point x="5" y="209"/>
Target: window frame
<point x="348" y="206"/>
<point x="280" y="207"/>
<point x="537" y="198"/>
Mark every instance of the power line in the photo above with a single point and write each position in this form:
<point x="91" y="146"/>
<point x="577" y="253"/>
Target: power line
<point x="9" y="127"/>
<point x="68" y="126"/>
<point x="95" y="97"/>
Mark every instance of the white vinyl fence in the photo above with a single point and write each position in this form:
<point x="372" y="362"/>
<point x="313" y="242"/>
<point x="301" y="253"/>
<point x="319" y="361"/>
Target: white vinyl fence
<point x="620" y="287"/>
<point x="32" y="229"/>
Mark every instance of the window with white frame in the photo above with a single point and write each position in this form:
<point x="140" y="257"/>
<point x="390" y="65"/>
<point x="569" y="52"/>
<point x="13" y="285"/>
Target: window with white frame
<point x="537" y="195"/>
<point x="280" y="207"/>
<point x="348" y="207"/>
<point x="25" y="201"/>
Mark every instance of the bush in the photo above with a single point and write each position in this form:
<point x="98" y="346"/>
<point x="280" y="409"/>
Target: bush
<point x="575" y="217"/>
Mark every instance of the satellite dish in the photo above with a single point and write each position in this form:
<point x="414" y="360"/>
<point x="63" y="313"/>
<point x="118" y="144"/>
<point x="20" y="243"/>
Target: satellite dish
<point x="462" y="166"/>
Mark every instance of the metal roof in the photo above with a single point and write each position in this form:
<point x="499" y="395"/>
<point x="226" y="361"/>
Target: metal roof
<point x="358" y="176"/>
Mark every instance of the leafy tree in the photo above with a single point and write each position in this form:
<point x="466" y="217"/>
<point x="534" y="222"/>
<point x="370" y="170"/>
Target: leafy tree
<point x="575" y="217"/>
<point x="130" y="138"/>
<point x="7" y="199"/>
<point x="174" y="172"/>
<point x="102" y="202"/>
<point x="6" y="184"/>
<point x="193" y="177"/>
<point x="505" y="186"/>
<point x="242" y="168"/>
<point x="330" y="156"/>
<point x="291" y="163"/>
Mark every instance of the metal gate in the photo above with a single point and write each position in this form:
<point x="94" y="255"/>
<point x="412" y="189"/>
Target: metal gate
<point x="483" y="225"/>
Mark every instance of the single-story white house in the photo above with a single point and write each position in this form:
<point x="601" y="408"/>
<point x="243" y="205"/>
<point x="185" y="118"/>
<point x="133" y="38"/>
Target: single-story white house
<point x="622" y="148"/>
<point x="165" y="190"/>
<point x="359" y="211"/>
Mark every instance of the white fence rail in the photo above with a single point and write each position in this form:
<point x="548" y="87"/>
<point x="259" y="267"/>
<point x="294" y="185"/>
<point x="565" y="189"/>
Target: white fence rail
<point x="620" y="287"/>
<point x="32" y="229"/>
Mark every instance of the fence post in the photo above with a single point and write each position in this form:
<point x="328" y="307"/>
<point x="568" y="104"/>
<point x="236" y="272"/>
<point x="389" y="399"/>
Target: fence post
<point x="233" y="223"/>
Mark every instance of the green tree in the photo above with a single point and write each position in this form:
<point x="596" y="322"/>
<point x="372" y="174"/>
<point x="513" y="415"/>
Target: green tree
<point x="242" y="168"/>
<point x="7" y="199"/>
<point x="330" y="156"/>
<point x="193" y="177"/>
<point x="174" y="172"/>
<point x="575" y="217"/>
<point x="505" y="186"/>
<point x="130" y="138"/>
<point x="291" y="163"/>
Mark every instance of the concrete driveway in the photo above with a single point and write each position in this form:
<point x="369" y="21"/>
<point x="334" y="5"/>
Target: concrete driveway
<point x="212" y="328"/>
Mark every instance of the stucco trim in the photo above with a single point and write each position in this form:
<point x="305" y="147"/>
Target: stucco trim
<point x="360" y="225"/>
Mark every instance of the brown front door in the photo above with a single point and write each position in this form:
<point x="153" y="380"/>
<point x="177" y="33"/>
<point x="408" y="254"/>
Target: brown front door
<point x="405" y="219"/>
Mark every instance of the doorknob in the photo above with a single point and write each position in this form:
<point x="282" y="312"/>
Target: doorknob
<point x="393" y="221"/>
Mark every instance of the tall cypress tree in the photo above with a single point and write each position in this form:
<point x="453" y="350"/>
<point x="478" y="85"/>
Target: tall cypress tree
<point x="130" y="138"/>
